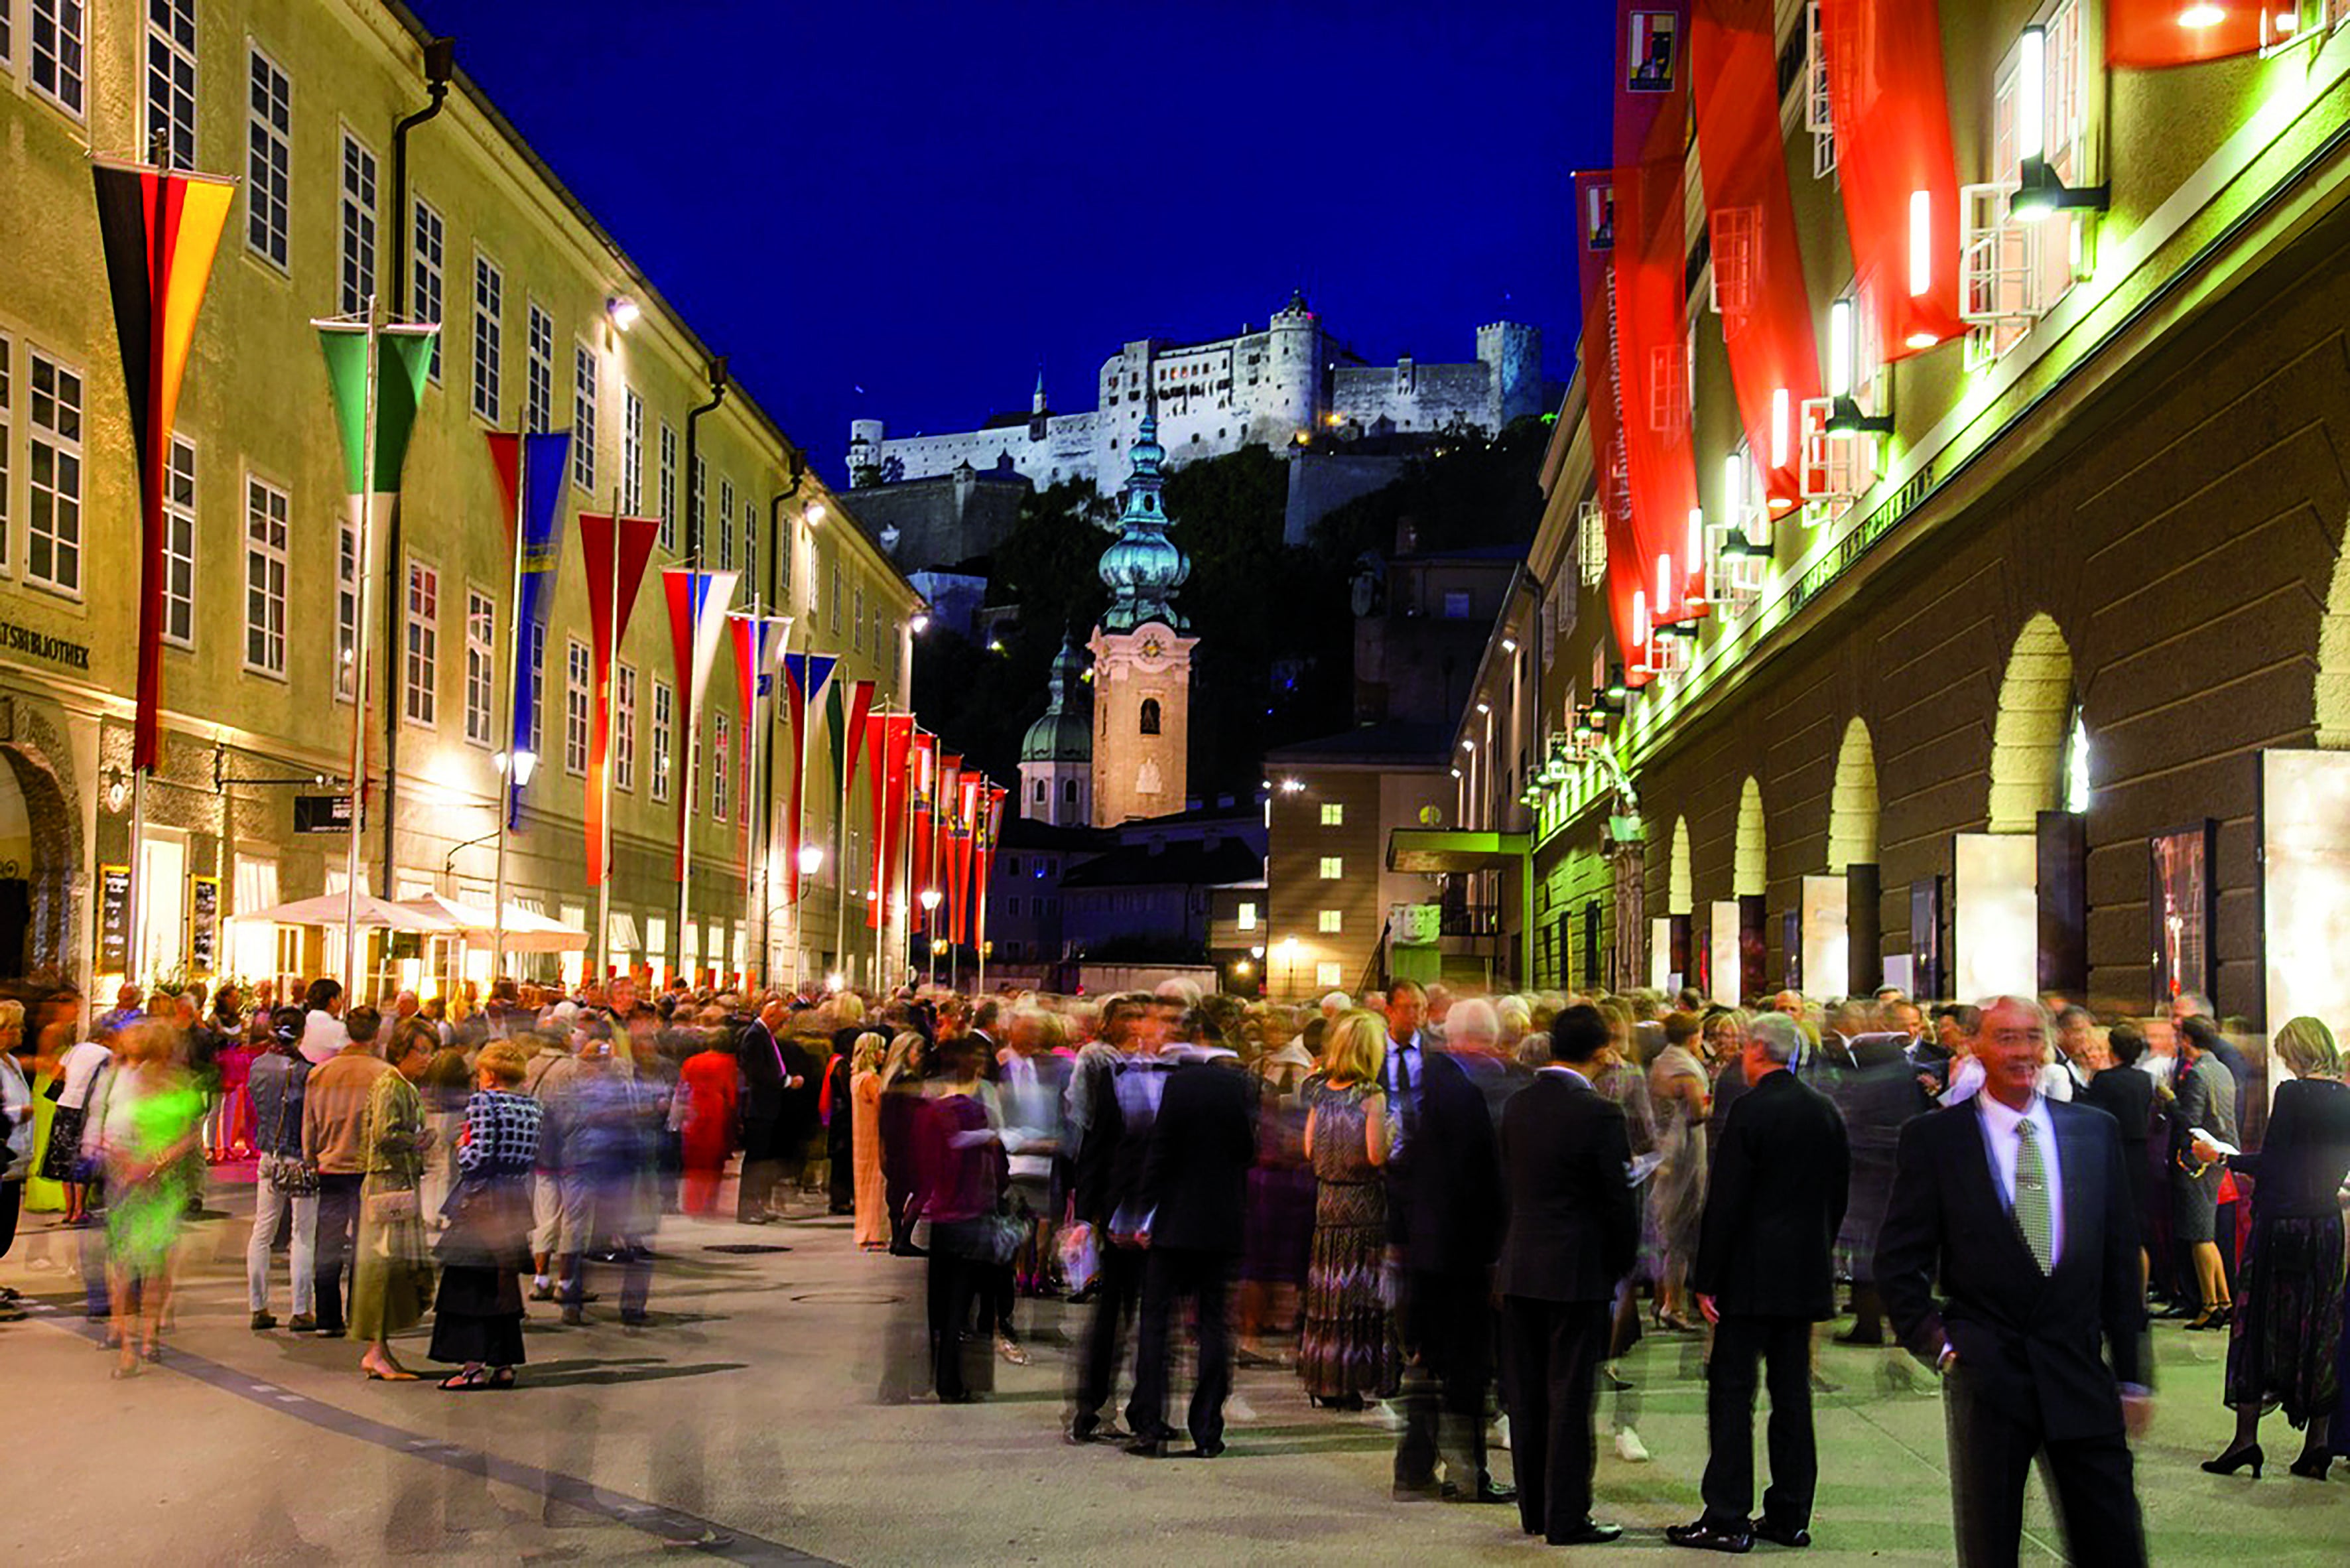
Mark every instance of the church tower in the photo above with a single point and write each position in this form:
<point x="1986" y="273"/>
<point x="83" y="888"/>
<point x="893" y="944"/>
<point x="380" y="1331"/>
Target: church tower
<point x="1057" y="775"/>
<point x="1142" y="656"/>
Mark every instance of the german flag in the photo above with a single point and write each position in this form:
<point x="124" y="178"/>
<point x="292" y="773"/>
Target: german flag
<point x="160" y="229"/>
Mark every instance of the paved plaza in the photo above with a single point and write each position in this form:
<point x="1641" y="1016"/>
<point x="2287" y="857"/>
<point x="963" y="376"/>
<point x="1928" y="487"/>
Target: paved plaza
<point x="750" y="1423"/>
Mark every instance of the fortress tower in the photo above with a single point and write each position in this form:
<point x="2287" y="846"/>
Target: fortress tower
<point x="1142" y="656"/>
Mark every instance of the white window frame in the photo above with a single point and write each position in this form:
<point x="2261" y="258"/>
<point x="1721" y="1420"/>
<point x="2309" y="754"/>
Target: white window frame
<point x="65" y="59"/>
<point x="359" y="207"/>
<point x="857" y="619"/>
<point x="268" y="160"/>
<point x="538" y="369"/>
<point x="751" y="550"/>
<point x="57" y="439"/>
<point x="7" y="441"/>
<point x="1819" y="103"/>
<point x="536" y="638"/>
<point x="669" y="487"/>
<point x="624" y="726"/>
<point x="1243" y="913"/>
<point x="481" y="665"/>
<point x="1591" y="544"/>
<point x="489" y="336"/>
<point x="835" y="597"/>
<point x="2012" y="272"/>
<point x="1334" y="867"/>
<point x="1333" y="814"/>
<point x="632" y="452"/>
<point x="1330" y="922"/>
<point x="428" y="275"/>
<point x="721" y="756"/>
<point x="268" y="521"/>
<point x="725" y="523"/>
<point x="179" y="541"/>
<point x="346" y="607"/>
<point x="585" y="370"/>
<point x="420" y="634"/>
<point x="168" y="75"/>
<point x="664" y="735"/>
<point x="1328" y="974"/>
<point x="578" y="682"/>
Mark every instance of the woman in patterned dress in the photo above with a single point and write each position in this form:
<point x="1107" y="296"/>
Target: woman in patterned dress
<point x="1345" y="1355"/>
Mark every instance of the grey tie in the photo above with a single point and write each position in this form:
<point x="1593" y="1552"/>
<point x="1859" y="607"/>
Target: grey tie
<point x="2032" y="1215"/>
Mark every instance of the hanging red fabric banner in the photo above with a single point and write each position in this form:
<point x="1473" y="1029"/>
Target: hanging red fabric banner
<point x="948" y="791"/>
<point x="1651" y="267"/>
<point x="2153" y="32"/>
<point x="1595" y="228"/>
<point x="1758" y="263"/>
<point x="899" y="728"/>
<point x="1895" y="163"/>
<point x="877" y="772"/>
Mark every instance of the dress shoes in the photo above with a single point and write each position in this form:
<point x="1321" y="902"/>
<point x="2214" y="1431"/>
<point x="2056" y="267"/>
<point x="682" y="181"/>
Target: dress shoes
<point x="263" y="1320"/>
<point x="1487" y="1489"/>
<point x="1095" y="1431"/>
<point x="302" y="1322"/>
<point x="1150" y="1445"/>
<point x="1415" y="1491"/>
<point x="1590" y="1532"/>
<point x="1215" y="1451"/>
<point x="1705" y="1537"/>
<point x="1777" y="1534"/>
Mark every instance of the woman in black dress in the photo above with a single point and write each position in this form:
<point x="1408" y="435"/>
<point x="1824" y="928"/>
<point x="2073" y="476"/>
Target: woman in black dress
<point x="2287" y="1327"/>
<point x="2127" y="1094"/>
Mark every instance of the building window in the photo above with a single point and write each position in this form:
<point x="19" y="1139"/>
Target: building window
<point x="1068" y="792"/>
<point x="178" y="541"/>
<point x="423" y="670"/>
<point x="576" y="681"/>
<point x="265" y="576"/>
<point x="835" y="598"/>
<point x="427" y="252"/>
<point x="1333" y="868"/>
<point x="664" y="710"/>
<point x="751" y="551"/>
<point x="1011" y="905"/>
<point x="489" y="335"/>
<point x="1150" y="721"/>
<point x="536" y="739"/>
<point x="1333" y="814"/>
<point x="694" y="530"/>
<point x="725" y="523"/>
<point x="58" y="29"/>
<point x="857" y="624"/>
<point x="357" y="225"/>
<point x="8" y="439"/>
<point x="722" y="742"/>
<point x="52" y="490"/>
<point x="539" y="371"/>
<point x="632" y="452"/>
<point x="1328" y="922"/>
<point x="268" y="158"/>
<point x="1037" y="794"/>
<point x="786" y="548"/>
<point x="583" y="417"/>
<point x="481" y="661"/>
<point x="1456" y="604"/>
<point x="1244" y="918"/>
<point x="1325" y="975"/>
<point x="668" y="486"/>
<point x="624" y="727"/>
<point x="347" y="609"/>
<point x="171" y="138"/>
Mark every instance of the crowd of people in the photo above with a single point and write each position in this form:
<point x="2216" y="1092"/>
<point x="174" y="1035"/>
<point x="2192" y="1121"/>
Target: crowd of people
<point x="1455" y="1216"/>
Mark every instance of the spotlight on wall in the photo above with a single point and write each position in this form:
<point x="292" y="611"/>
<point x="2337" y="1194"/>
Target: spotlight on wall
<point x="117" y="789"/>
<point x="621" y="311"/>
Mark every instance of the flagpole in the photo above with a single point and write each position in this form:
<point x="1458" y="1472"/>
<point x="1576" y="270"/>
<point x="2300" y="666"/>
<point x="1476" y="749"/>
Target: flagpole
<point x="359" y="666"/>
<point x="514" y="673"/>
<point x="134" y="939"/>
<point x="692" y="781"/>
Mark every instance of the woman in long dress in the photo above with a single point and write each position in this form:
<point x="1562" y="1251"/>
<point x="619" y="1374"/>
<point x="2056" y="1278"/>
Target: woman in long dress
<point x="391" y="1275"/>
<point x="865" y="1104"/>
<point x="477" y="1316"/>
<point x="145" y="1122"/>
<point x="1345" y="1355"/>
<point x="1677" y="1089"/>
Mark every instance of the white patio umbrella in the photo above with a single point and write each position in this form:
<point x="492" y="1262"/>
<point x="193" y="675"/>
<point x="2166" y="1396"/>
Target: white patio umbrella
<point x="525" y="930"/>
<point x="327" y="909"/>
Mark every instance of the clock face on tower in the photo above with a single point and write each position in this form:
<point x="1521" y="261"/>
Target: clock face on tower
<point x="1152" y="647"/>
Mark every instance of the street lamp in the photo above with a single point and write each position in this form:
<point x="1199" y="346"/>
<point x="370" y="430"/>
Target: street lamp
<point x="522" y="765"/>
<point x="930" y="897"/>
<point x="1289" y="958"/>
<point x="811" y="859"/>
<point x="513" y="773"/>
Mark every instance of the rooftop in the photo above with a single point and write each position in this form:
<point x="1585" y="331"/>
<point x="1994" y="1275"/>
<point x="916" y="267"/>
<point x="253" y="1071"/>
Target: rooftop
<point x="1179" y="863"/>
<point x="1398" y="741"/>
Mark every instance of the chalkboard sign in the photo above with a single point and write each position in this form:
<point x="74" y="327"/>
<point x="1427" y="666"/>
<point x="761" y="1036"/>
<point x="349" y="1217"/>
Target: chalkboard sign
<point x="203" y="924"/>
<point x="113" y="919"/>
<point x="322" y="814"/>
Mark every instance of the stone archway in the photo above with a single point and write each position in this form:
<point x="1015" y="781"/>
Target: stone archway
<point x="1680" y="894"/>
<point x="2035" y="726"/>
<point x="1852" y="805"/>
<point x="1750" y="869"/>
<point x="53" y="862"/>
<point x="2331" y="699"/>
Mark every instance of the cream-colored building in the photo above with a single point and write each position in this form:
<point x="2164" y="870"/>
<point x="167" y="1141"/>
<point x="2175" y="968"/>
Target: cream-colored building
<point x="545" y="324"/>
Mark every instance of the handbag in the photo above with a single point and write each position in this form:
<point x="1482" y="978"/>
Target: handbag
<point x="288" y="1175"/>
<point x="391" y="1208"/>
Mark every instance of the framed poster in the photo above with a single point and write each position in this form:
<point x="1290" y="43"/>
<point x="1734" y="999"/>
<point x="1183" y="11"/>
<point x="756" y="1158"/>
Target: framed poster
<point x="1651" y="52"/>
<point x="113" y="919"/>
<point x="203" y="924"/>
<point x="2181" y="908"/>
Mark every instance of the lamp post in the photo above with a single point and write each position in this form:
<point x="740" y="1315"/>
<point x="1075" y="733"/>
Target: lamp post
<point x="930" y="896"/>
<point x="513" y="773"/>
<point x="1289" y="958"/>
<point x="811" y="862"/>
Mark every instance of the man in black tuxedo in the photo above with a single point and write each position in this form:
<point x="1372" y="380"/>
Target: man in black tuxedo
<point x="2020" y="1206"/>
<point x="1193" y="1195"/>
<point x="1121" y="1105"/>
<point x="1445" y="1207"/>
<point x="1573" y="1233"/>
<point x="1766" y="1272"/>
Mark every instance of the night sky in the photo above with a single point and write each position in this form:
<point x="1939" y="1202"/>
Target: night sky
<point x="898" y="209"/>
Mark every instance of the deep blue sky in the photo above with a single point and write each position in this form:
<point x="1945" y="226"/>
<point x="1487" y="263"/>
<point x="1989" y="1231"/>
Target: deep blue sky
<point x="924" y="200"/>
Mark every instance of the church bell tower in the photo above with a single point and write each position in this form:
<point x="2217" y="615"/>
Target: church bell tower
<point x="1142" y="656"/>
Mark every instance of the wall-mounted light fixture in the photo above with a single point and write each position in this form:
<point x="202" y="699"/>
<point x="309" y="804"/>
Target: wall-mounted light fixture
<point x="621" y="311"/>
<point x="1844" y="373"/>
<point x="2039" y="192"/>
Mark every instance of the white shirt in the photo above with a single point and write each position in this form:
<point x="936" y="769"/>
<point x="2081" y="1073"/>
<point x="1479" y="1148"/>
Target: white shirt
<point x="1998" y="1124"/>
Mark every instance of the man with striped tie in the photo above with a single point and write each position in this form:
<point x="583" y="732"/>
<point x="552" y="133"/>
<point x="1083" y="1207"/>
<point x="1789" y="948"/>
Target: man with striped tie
<point x="2021" y="1207"/>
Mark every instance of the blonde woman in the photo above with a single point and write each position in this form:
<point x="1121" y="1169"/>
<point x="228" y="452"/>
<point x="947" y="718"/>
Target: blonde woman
<point x="1345" y="1356"/>
<point x="899" y="1121"/>
<point x="865" y="1113"/>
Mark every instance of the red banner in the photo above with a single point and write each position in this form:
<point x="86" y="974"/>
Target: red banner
<point x="1651" y="268"/>
<point x="1758" y="264"/>
<point x="967" y="807"/>
<point x="991" y="831"/>
<point x="1595" y="226"/>
<point x="923" y="779"/>
<point x="614" y="553"/>
<point x="861" y="707"/>
<point x="897" y="778"/>
<point x="1894" y="160"/>
<point x="2154" y="33"/>
<point x="877" y="770"/>
<point x="947" y="793"/>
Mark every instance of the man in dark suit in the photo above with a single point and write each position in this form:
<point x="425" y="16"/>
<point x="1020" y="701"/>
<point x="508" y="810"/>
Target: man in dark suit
<point x="1444" y="1225"/>
<point x="1766" y="1272"/>
<point x="2022" y="1209"/>
<point x="1573" y="1233"/>
<point x="764" y="1082"/>
<point x="1121" y="1105"/>
<point x="1193" y="1195"/>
